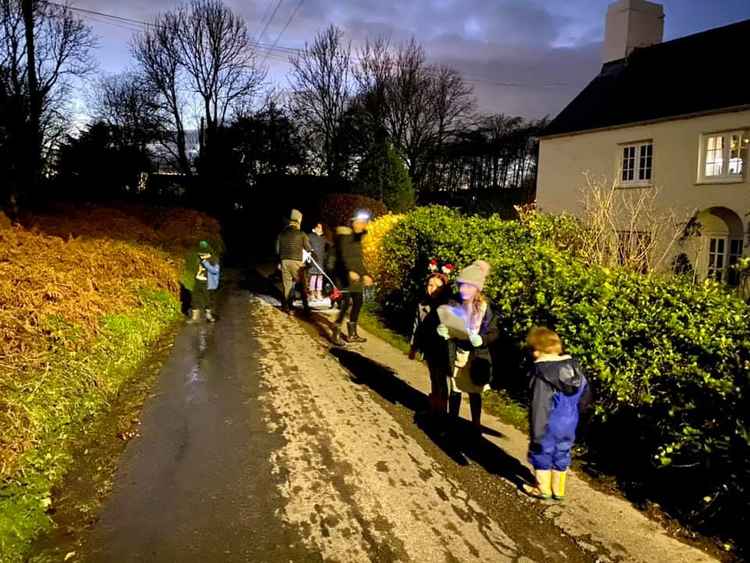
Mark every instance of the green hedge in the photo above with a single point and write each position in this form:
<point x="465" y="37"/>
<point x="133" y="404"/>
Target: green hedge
<point x="669" y="361"/>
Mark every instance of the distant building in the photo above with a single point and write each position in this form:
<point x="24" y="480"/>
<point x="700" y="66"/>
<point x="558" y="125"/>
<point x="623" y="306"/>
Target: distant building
<point x="672" y="116"/>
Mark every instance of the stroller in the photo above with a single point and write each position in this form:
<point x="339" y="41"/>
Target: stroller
<point x="336" y="295"/>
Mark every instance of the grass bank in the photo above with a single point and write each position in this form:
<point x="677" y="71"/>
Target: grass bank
<point x="84" y="294"/>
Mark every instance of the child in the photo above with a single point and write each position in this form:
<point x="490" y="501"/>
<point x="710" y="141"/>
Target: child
<point x="319" y="248"/>
<point x="559" y="391"/>
<point x="424" y="339"/>
<point x="201" y="278"/>
<point x="470" y="356"/>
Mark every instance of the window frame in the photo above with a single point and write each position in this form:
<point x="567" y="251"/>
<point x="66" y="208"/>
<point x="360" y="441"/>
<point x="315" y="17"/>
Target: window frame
<point x="726" y="138"/>
<point x="636" y="182"/>
<point x="733" y="250"/>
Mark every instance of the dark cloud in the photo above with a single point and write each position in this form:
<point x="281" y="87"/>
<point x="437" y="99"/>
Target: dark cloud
<point x="549" y="50"/>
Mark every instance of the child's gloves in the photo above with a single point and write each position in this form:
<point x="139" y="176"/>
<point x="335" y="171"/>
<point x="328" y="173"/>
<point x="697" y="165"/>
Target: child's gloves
<point x="442" y="330"/>
<point x="475" y="340"/>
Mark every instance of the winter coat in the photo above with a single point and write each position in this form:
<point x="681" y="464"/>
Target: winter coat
<point x="559" y="391"/>
<point x="191" y="268"/>
<point x="480" y="358"/>
<point x="213" y="271"/>
<point x="349" y="258"/>
<point x="291" y="243"/>
<point x="320" y="248"/>
<point x="424" y="336"/>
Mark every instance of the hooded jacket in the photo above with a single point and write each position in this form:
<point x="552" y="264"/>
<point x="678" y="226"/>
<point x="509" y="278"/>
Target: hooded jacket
<point x="559" y="392"/>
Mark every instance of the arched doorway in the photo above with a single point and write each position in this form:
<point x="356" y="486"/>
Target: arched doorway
<point x="722" y="234"/>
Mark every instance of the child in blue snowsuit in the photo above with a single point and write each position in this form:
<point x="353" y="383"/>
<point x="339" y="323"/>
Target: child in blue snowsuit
<point x="559" y="391"/>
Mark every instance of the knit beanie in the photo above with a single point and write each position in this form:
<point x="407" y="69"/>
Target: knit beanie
<point x="295" y="216"/>
<point x="203" y="246"/>
<point x="475" y="274"/>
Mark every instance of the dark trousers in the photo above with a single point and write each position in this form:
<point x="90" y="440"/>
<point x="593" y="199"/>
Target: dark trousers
<point x="353" y="299"/>
<point x="201" y="297"/>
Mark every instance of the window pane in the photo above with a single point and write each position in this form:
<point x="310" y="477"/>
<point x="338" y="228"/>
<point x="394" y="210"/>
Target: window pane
<point x="646" y="158"/>
<point x="628" y="164"/>
<point x="714" y="156"/>
<point x="736" y="155"/>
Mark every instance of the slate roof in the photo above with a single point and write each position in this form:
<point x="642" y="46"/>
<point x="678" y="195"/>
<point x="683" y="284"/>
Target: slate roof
<point x="693" y="74"/>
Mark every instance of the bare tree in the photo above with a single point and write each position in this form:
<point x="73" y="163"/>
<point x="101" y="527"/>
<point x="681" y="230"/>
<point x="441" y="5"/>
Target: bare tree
<point x="156" y="51"/>
<point x="44" y="48"/>
<point x="130" y="103"/>
<point x="420" y="105"/>
<point x="216" y="51"/>
<point x="321" y="93"/>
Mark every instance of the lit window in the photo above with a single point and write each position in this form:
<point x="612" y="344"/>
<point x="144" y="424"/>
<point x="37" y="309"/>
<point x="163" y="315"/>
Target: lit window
<point x="637" y="164"/>
<point x="723" y="156"/>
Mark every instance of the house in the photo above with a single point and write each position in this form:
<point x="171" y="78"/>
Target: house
<point x="666" y="116"/>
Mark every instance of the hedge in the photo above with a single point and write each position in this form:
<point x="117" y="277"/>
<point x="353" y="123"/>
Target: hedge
<point x="669" y="360"/>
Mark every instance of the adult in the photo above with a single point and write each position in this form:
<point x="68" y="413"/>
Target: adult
<point x="291" y="245"/>
<point x="469" y="354"/>
<point x="352" y="275"/>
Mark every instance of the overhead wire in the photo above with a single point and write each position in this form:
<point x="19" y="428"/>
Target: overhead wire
<point x="281" y="53"/>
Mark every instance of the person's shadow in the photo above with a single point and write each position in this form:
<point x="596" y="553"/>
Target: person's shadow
<point x="457" y="440"/>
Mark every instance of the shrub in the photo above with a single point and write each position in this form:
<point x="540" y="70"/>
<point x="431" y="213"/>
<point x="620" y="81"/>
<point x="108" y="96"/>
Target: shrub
<point x="338" y="209"/>
<point x="669" y="360"/>
<point x="372" y="245"/>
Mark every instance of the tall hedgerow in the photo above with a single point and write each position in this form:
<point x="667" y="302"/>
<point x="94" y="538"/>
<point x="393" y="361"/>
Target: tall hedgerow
<point x="669" y="360"/>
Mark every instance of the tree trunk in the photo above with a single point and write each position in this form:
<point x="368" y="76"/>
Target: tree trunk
<point x="33" y="170"/>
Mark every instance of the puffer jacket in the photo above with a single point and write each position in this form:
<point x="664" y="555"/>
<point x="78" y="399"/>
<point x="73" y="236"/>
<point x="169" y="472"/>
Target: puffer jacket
<point x="291" y="243"/>
<point x="349" y="257"/>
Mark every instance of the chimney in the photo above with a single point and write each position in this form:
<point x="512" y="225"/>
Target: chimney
<point x="632" y="24"/>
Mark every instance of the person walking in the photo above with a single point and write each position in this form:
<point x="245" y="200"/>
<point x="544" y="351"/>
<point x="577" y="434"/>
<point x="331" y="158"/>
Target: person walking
<point x="200" y="276"/>
<point x="469" y="355"/>
<point x="425" y="340"/>
<point x="291" y="245"/>
<point x="319" y="246"/>
<point x="352" y="274"/>
<point x="559" y="392"/>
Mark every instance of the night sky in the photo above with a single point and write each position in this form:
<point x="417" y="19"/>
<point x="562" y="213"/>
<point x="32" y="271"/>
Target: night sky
<point x="548" y="50"/>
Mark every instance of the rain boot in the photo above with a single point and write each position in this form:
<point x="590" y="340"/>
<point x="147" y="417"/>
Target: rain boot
<point x="336" y="336"/>
<point x="558" y="484"/>
<point x="209" y="316"/>
<point x="542" y="489"/>
<point x="352" y="333"/>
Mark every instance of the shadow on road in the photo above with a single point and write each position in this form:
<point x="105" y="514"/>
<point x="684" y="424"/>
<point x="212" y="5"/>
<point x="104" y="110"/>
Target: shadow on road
<point x="457" y="442"/>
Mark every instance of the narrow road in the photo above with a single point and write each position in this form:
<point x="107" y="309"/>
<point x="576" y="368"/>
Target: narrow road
<point x="258" y="445"/>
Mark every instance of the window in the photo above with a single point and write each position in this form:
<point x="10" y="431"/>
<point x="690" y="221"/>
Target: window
<point x="723" y="254"/>
<point x="637" y="164"/>
<point x="723" y="156"/>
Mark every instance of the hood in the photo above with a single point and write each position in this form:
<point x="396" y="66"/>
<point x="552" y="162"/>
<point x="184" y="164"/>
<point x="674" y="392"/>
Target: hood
<point x="562" y="372"/>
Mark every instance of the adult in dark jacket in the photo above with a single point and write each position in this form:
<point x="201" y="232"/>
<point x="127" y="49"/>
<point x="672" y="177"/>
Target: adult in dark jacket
<point x="559" y="391"/>
<point x="469" y="355"/>
<point x="352" y="275"/>
<point x="290" y="247"/>
<point x="425" y="340"/>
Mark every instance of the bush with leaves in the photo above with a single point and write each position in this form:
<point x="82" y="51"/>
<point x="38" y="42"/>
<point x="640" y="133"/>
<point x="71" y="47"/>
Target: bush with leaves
<point x="338" y="209"/>
<point x="669" y="360"/>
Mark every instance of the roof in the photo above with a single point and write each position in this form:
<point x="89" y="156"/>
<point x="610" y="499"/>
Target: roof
<point x="694" y="74"/>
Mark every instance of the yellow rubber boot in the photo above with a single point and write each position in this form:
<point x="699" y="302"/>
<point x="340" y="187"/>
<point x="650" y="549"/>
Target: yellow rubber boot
<point x="558" y="484"/>
<point x="543" y="487"/>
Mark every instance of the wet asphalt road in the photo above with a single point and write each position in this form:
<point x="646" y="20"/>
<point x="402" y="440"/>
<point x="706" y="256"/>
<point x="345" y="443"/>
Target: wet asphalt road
<point x="258" y="445"/>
